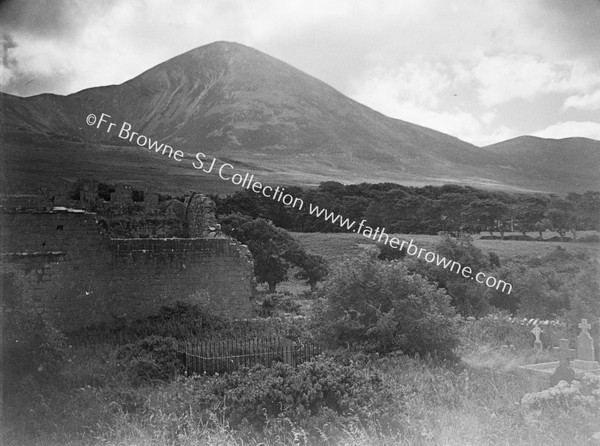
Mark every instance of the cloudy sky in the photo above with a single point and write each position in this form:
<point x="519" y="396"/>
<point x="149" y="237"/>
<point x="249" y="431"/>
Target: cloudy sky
<point x="483" y="71"/>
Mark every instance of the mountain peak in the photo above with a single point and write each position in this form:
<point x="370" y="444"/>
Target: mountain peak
<point x="221" y="48"/>
<point x="232" y="101"/>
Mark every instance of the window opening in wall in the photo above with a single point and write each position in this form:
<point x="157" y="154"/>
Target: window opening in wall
<point x="60" y="228"/>
<point x="137" y="195"/>
<point x="104" y="191"/>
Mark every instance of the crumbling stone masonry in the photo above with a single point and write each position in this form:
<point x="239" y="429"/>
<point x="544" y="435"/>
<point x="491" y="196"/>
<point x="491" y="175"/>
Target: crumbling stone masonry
<point x="65" y="264"/>
<point x="200" y="216"/>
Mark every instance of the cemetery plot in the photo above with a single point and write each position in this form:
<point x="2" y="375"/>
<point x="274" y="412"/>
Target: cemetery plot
<point x="571" y="364"/>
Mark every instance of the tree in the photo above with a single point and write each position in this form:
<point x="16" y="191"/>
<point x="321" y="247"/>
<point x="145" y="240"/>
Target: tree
<point x="272" y="248"/>
<point x="559" y="221"/>
<point x="584" y="293"/>
<point x="450" y="209"/>
<point x="528" y="213"/>
<point x="314" y="269"/>
<point x="489" y="214"/>
<point x="588" y="210"/>
<point x="467" y="295"/>
<point x="382" y="307"/>
<point x="541" y="226"/>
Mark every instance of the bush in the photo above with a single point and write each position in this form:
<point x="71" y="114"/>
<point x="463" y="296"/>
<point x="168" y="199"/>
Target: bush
<point x="180" y="321"/>
<point x="467" y="296"/>
<point x="386" y="252"/>
<point x="276" y="303"/>
<point x="381" y="307"/>
<point x="31" y="345"/>
<point x="591" y="238"/>
<point x="152" y="358"/>
<point x="34" y="348"/>
<point x="566" y="396"/>
<point x="558" y="284"/>
<point x="309" y="396"/>
<point x="575" y="407"/>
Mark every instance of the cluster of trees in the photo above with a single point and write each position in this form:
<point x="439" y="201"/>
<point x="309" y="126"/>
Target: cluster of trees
<point x="362" y="294"/>
<point x="426" y="210"/>
<point x="409" y="305"/>
<point x="559" y="284"/>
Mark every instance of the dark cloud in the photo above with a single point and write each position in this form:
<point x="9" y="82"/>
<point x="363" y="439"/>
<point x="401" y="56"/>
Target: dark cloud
<point x="57" y="23"/>
<point x="8" y="43"/>
<point x="50" y="19"/>
<point x="576" y="23"/>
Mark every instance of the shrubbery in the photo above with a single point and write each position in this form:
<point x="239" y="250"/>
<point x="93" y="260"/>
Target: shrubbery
<point x="275" y="304"/>
<point x="559" y="284"/>
<point x="152" y="358"/>
<point x="574" y="406"/>
<point x="180" y="321"/>
<point x="467" y="296"/>
<point x="386" y="252"/>
<point x="31" y="345"/>
<point x="309" y="395"/>
<point x="567" y="396"/>
<point x="381" y="307"/>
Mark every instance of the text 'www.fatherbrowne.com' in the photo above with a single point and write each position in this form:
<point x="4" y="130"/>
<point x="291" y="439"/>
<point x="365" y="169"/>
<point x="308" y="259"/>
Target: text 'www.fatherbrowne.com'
<point x="379" y="235"/>
<point x="227" y="172"/>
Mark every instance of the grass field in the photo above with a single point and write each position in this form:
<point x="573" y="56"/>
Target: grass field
<point x="336" y="246"/>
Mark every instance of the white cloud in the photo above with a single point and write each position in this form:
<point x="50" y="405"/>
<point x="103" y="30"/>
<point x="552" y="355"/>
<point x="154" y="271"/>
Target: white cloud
<point x="570" y="129"/>
<point x="505" y="77"/>
<point x="416" y="82"/>
<point x="589" y="101"/>
<point x="412" y="93"/>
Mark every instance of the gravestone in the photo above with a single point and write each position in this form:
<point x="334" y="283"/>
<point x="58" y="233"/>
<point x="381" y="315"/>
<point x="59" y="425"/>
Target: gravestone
<point x="585" y="343"/>
<point x="537" y="344"/>
<point x="585" y="349"/>
<point x="564" y="371"/>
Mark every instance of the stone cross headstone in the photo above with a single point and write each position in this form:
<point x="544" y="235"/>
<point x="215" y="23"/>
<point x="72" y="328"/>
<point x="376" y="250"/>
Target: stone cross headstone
<point x="585" y="343"/>
<point x="564" y="371"/>
<point x="537" y="344"/>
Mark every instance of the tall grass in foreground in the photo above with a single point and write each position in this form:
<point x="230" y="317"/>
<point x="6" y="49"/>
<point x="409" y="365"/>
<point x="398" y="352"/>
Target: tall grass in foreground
<point x="436" y="405"/>
<point x="427" y="402"/>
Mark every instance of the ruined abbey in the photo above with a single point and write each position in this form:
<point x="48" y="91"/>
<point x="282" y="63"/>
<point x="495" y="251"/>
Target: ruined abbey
<point x="73" y="264"/>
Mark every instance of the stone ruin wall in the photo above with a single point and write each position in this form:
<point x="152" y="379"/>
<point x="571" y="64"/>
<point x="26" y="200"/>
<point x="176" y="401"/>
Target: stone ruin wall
<point x="68" y="266"/>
